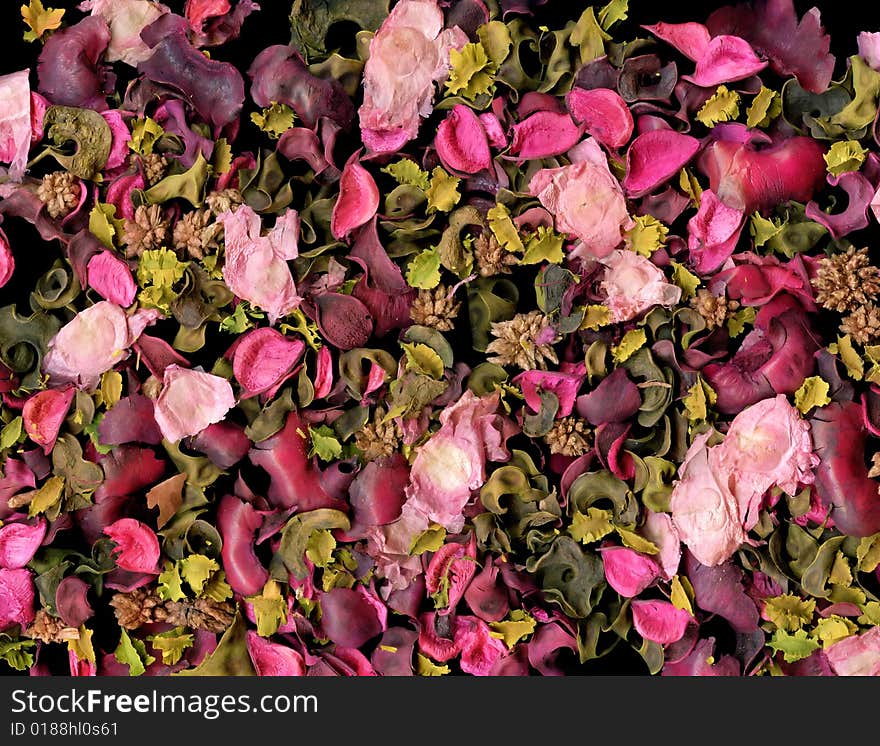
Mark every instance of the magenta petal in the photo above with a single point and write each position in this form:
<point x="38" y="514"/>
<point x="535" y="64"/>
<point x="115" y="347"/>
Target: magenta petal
<point x="451" y="566"/>
<point x="324" y="373"/>
<point x="377" y="493"/>
<point x="564" y="385"/>
<point x="16" y="597"/>
<point x="546" y="647"/>
<point x="44" y="413"/>
<point x="137" y="548"/>
<point x="71" y="600"/>
<point x="358" y="199"/>
<point x="727" y="59"/>
<point x="544" y="134"/>
<point x="479" y="650"/>
<point x="111" y="279"/>
<point x="486" y="596"/>
<point x="627" y="571"/>
<point x="713" y="233"/>
<point x="659" y="621"/>
<point x="603" y="113"/>
<point x="719" y="590"/>
<point x="691" y="39"/>
<point x="349" y="618"/>
<point x="263" y="357"/>
<point x="238" y="524"/>
<point x="127" y="470"/>
<point x="702" y="662"/>
<point x="130" y="420"/>
<point x="272" y="659"/>
<point x="19" y="542"/>
<point x="615" y="399"/>
<point x="655" y="157"/>
<point x="461" y="142"/>
<point x="121" y="137"/>
<point x="494" y="130"/>
<point x="859" y="193"/>
<point x="7" y="260"/>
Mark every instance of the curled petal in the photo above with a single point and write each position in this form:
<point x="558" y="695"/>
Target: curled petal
<point x="603" y="113"/>
<point x="7" y="260"/>
<point x="859" y="194"/>
<point x="324" y="373"/>
<point x="358" y="199"/>
<point x="238" y="524"/>
<point x="726" y="59"/>
<point x="655" y="157"/>
<point x="691" y="39"/>
<point x="713" y="233"/>
<point x="137" y="548"/>
<point x="615" y="399"/>
<point x="479" y="650"/>
<point x="349" y="618"/>
<point x="15" y="126"/>
<point x="263" y="358"/>
<point x="71" y="600"/>
<point x="564" y="384"/>
<point x="44" y="413"/>
<point x="461" y="142"/>
<point x="377" y="492"/>
<point x="344" y="320"/>
<point x="627" y="571"/>
<point x="453" y="565"/>
<point x="19" y="542"/>
<point x="544" y="134"/>
<point x="494" y="130"/>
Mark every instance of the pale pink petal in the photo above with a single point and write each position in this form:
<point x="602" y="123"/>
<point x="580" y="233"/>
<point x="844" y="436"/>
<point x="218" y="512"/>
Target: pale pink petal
<point x="479" y="650"/>
<point x="15" y="122"/>
<point x="19" y="542"/>
<point x="461" y="142"/>
<point x="544" y="134"/>
<point x="655" y="157"/>
<point x="869" y="48"/>
<point x="713" y="233"/>
<point x="111" y="278"/>
<point x="137" y="548"/>
<point x="659" y="621"/>
<point x="126" y="19"/>
<point x="603" y="113"/>
<point x="660" y="530"/>
<point x="191" y="400"/>
<point x="358" y="199"/>
<point x="633" y="284"/>
<point x="44" y="413"/>
<point x="627" y="571"/>
<point x="858" y="655"/>
<point x="199" y="11"/>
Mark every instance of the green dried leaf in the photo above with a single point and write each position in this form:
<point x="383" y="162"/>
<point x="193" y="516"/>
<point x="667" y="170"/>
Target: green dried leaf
<point x="472" y="72"/>
<point x="274" y="120"/>
<point x="844" y="156"/>
<point x="544" y="246"/>
<point x="424" y="270"/>
<point x="170" y="586"/>
<point x="133" y="653"/>
<point x="407" y="172"/>
<point x="172" y="644"/>
<point x="812" y="393"/>
<point x="11" y="433"/>
<point x="320" y="546"/>
<point x="442" y="193"/>
<point x="311" y="20"/>
<point x="789" y="612"/>
<point x="722" y="106"/>
<point x="196" y="570"/>
<point x="104" y="225"/>
<point x="503" y="228"/>
<point x="422" y="359"/>
<point x="16" y="651"/>
<point x="590" y="526"/>
<point x="647" y="235"/>
<point x="295" y="537"/>
<point x="87" y="130"/>
<point x="518" y="625"/>
<point x="795" y="646"/>
<point x="589" y="37"/>
<point x="145" y="133"/>
<point x="495" y="38"/>
<point x="189" y="185"/>
<point x="765" y="107"/>
<point x="270" y="609"/>
<point x="632" y="341"/>
<point x="230" y="657"/>
<point x="324" y="443"/>
<point x="685" y="279"/>
<point x="426" y="667"/>
<point x="430" y="540"/>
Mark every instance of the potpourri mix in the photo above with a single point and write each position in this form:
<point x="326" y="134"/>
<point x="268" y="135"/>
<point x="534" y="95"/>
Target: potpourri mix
<point x="438" y="340"/>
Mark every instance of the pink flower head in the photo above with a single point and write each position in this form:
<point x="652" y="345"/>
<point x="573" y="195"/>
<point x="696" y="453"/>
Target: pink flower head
<point x="634" y="284"/>
<point x="858" y="655"/>
<point x="408" y="54"/>
<point x="19" y="542"/>
<point x="704" y="510"/>
<point x="137" y="548"/>
<point x="191" y="400"/>
<point x="713" y="233"/>
<point x="43" y="415"/>
<point x="15" y="122"/>
<point x="256" y="266"/>
<point x="16" y="597"/>
<point x="93" y="342"/>
<point x="659" y="621"/>
<point x="462" y="143"/>
<point x="452" y="463"/>
<point x="272" y="659"/>
<point x="767" y="444"/>
<point x="126" y="19"/>
<point x="586" y="201"/>
<point x="627" y="571"/>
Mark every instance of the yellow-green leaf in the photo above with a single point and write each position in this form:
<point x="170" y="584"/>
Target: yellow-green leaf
<point x="111" y="388"/>
<point x="589" y="37"/>
<point x="144" y="134"/>
<point x="590" y="526"/>
<point x="765" y="107"/>
<point x="132" y="653"/>
<point x="722" y="106"/>
<point x="868" y="553"/>
<point x="443" y="192"/>
<point x="789" y="612"/>
<point x="634" y="541"/>
<point x="320" y="546"/>
<point x="221" y="159"/>
<point x="596" y="316"/>
<point x="545" y="245"/>
<point x="170" y="583"/>
<point x="844" y="156"/>
<point x="690" y="186"/>
<point x="217" y="589"/>
<point x="840" y="574"/>
<point x="518" y="625"/>
<point x="426" y="667"/>
<point x="423" y="271"/>
<point x="423" y="359"/>
<point x="196" y="569"/>
<point x="172" y="644"/>
<point x="472" y="73"/>
<point x="48" y="496"/>
<point x="681" y="593"/>
<point x="631" y="342"/>
<point x="647" y="235"/>
<point x="430" y="540"/>
<point x="503" y="228"/>
<point x="855" y="366"/>
<point x="274" y="120"/>
<point x="685" y="279"/>
<point x="763" y="229"/>
<point x="104" y="225"/>
<point x="10" y="433"/>
<point x="738" y="321"/>
<point x="812" y="393"/>
<point x="160" y="267"/>
<point x="794" y="647"/>
<point x="700" y="397"/>
<point x="495" y="38"/>
<point x="39" y="20"/>
<point x="325" y="444"/>
<point x="833" y="629"/>
<point x="270" y="609"/>
<point x="615" y="12"/>
<point x="408" y="172"/>
<point x="82" y="647"/>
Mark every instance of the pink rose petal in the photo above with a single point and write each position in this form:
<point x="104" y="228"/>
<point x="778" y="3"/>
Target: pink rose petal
<point x="43" y="414"/>
<point x="15" y="122"/>
<point x="713" y="233"/>
<point x="7" y="259"/>
<point x="603" y="113"/>
<point x="655" y="157"/>
<point x="564" y="384"/>
<point x="858" y="655"/>
<point x="137" y="548"/>
<point x="191" y="400"/>
<point x="461" y="142"/>
<point x="324" y="374"/>
<point x="494" y="130"/>
<point x="358" y="199"/>
<point x="19" y="542"/>
<point x="627" y="571"/>
<point x="121" y="137"/>
<point x="263" y="357"/>
<point x="112" y="279"/>
<point x="544" y="134"/>
<point x="238" y="523"/>
<point x="453" y="566"/>
<point x="272" y="659"/>
<point x="479" y="650"/>
<point x="659" y="621"/>
<point x="126" y="19"/>
<point x="869" y="48"/>
<point x="727" y="59"/>
<point x="633" y="284"/>
<point x="16" y="597"/>
<point x="691" y="39"/>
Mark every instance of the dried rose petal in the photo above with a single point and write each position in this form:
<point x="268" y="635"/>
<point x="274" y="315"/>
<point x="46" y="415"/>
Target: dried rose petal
<point x="358" y="199"/>
<point x="137" y="548"/>
<point x="263" y="358"/>
<point x="19" y="542"/>
<point x="654" y="158"/>
<point x="190" y="401"/>
<point x="544" y="134"/>
<point x="603" y="114"/>
<point x="461" y="142"/>
<point x="43" y="414"/>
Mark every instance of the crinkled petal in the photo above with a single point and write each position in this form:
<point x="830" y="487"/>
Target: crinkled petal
<point x="137" y="548"/>
<point x="191" y="400"/>
<point x="603" y="114"/>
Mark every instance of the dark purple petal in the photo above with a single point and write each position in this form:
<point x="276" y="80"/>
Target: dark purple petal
<point x="348" y="617"/>
<point x="719" y="590"/>
<point x="71" y="600"/>
<point x="130" y="420"/>
<point x="615" y="399"/>
<point x="343" y="320"/>
<point x="128" y="470"/>
<point x="224" y="443"/>
<point x="377" y="493"/>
